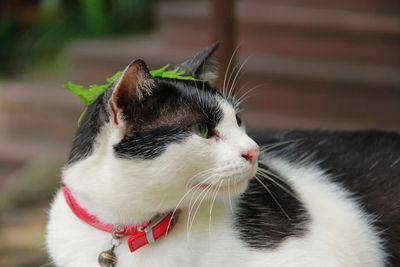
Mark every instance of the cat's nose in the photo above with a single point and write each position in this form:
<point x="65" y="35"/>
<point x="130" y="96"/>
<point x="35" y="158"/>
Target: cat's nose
<point x="251" y="155"/>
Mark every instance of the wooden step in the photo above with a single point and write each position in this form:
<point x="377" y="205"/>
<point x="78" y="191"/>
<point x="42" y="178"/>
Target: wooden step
<point x="371" y="6"/>
<point x="289" y="108"/>
<point x="333" y="35"/>
<point x="343" y="76"/>
<point x="272" y="120"/>
<point x="285" y="16"/>
<point x="39" y="112"/>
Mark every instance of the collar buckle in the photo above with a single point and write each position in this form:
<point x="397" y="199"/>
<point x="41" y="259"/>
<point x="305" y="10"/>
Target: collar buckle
<point x="149" y="229"/>
<point x="158" y="227"/>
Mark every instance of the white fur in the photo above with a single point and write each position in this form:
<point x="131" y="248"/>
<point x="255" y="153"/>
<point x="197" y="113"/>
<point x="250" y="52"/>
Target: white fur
<point x="132" y="191"/>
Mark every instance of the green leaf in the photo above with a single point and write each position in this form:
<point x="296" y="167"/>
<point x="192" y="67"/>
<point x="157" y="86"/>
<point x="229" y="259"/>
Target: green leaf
<point x="111" y="79"/>
<point x="89" y="95"/>
<point x="78" y="90"/>
<point x="159" y="72"/>
<point x="176" y="73"/>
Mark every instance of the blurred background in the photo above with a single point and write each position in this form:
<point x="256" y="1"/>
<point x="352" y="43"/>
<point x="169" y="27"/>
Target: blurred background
<point x="317" y="63"/>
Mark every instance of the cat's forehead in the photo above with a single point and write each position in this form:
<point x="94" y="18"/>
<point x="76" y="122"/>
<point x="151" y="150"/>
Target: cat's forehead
<point x="180" y="104"/>
<point x="187" y="89"/>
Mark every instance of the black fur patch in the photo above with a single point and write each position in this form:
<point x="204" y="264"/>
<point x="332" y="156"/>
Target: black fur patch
<point x="94" y="117"/>
<point x="266" y="217"/>
<point x="166" y="117"/>
<point x="365" y="163"/>
<point x="148" y="145"/>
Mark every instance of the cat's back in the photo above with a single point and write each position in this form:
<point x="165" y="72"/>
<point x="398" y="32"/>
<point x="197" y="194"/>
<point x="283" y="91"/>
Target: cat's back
<point x="365" y="163"/>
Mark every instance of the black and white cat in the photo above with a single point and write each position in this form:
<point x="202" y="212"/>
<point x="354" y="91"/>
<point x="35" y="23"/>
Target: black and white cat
<point x="151" y="146"/>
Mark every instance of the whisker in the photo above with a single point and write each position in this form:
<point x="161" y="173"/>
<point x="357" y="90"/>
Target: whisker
<point x="212" y="206"/>
<point x="243" y="87"/>
<point x="265" y="175"/>
<point x="239" y="110"/>
<point x="229" y="195"/>
<point x="199" y="186"/>
<point x="191" y="206"/>
<point x="227" y="69"/>
<point x="234" y="70"/>
<point x="271" y="174"/>
<point x="273" y="145"/>
<point x="239" y="92"/>
<point x="199" y="205"/>
<point x="246" y="98"/>
<point x="239" y="75"/>
<point x="235" y="188"/>
<point x="243" y="97"/>
<point x="234" y="85"/>
<point x="201" y="173"/>
<point x="273" y="197"/>
<point x="235" y="80"/>
<point x="181" y="199"/>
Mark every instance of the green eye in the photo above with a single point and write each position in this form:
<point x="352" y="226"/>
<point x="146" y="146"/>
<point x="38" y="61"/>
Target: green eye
<point x="201" y="129"/>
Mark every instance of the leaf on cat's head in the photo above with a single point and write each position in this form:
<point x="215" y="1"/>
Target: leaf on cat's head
<point x="159" y="72"/>
<point x="176" y="73"/>
<point x="89" y="95"/>
<point x="111" y="79"/>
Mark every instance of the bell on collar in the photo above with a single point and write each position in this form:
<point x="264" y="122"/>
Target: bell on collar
<point x="108" y="258"/>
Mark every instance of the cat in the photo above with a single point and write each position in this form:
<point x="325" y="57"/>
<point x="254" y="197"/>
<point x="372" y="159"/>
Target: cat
<point x="153" y="150"/>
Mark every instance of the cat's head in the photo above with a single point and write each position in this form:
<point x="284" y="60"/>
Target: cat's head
<point x="146" y="142"/>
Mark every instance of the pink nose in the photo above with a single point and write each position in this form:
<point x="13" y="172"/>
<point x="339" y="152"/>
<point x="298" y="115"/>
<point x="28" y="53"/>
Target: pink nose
<point x="251" y="155"/>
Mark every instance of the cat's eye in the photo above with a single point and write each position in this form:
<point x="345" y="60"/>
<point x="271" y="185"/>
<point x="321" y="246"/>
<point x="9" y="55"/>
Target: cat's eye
<point x="201" y="129"/>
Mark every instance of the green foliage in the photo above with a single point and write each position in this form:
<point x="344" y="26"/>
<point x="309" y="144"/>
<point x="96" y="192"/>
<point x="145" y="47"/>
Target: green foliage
<point x="89" y="95"/>
<point x="93" y="12"/>
<point x="172" y="74"/>
<point x="26" y="41"/>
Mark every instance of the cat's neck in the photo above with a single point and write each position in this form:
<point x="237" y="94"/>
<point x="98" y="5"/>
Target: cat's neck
<point x="97" y="185"/>
<point x="107" y="209"/>
<point x="121" y="208"/>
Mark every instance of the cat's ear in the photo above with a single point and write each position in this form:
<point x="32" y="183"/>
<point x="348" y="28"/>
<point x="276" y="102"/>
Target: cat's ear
<point x="203" y="66"/>
<point x="133" y="85"/>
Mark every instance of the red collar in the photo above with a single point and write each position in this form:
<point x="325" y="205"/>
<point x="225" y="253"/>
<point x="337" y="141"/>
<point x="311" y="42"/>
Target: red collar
<point x="139" y="235"/>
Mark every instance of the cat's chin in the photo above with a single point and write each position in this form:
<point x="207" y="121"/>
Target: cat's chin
<point x="237" y="186"/>
<point x="234" y="188"/>
<point x="229" y="187"/>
